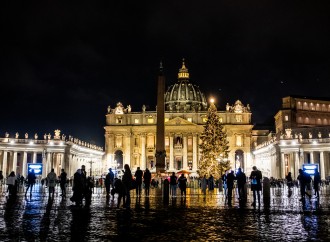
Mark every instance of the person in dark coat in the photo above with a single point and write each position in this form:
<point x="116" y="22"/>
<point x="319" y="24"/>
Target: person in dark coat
<point x="127" y="182"/>
<point x="241" y="180"/>
<point x="173" y="184"/>
<point x="317" y="180"/>
<point x="289" y="180"/>
<point x="138" y="178"/>
<point x="182" y="184"/>
<point x="230" y="186"/>
<point x="304" y="181"/>
<point x="63" y="180"/>
<point x="109" y="179"/>
<point x="147" y="180"/>
<point x="255" y="178"/>
<point x="31" y="181"/>
<point x="77" y="188"/>
<point x="211" y="183"/>
<point x="119" y="189"/>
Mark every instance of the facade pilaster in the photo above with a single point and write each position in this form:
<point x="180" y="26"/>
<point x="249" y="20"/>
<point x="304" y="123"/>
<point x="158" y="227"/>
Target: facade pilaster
<point x="171" y="153"/>
<point x="296" y="165"/>
<point x="312" y="157"/>
<point x="24" y="166"/>
<point x="282" y="165"/>
<point x="143" y="152"/>
<point x="185" y="152"/>
<point x="195" y="152"/>
<point x="127" y="147"/>
<point x="34" y="157"/>
<point x="14" y="168"/>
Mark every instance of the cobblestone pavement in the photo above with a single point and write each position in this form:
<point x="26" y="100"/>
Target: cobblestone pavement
<point x="194" y="218"/>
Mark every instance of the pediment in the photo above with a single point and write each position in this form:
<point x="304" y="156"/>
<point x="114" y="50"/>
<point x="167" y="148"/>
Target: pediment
<point x="178" y="121"/>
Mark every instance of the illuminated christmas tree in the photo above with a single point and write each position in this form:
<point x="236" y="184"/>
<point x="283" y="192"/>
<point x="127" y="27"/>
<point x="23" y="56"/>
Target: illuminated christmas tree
<point x="214" y="146"/>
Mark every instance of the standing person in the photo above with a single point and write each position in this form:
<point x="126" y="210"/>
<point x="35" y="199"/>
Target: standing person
<point x="11" y="182"/>
<point x="204" y="184"/>
<point x="241" y="180"/>
<point x="1" y="178"/>
<point x="31" y="181"/>
<point x="317" y="180"/>
<point x="182" y="184"/>
<point x="51" y="178"/>
<point x="147" y="180"/>
<point x="127" y="182"/>
<point x="211" y="183"/>
<point x="230" y="186"/>
<point x="256" y="177"/>
<point x="173" y="184"/>
<point x="63" y="179"/>
<point x="138" y="178"/>
<point x="118" y="188"/>
<point x="224" y="182"/>
<point x="109" y="179"/>
<point x="77" y="188"/>
<point x="289" y="180"/>
<point x="84" y="181"/>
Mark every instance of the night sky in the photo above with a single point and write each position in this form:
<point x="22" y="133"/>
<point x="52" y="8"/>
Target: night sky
<point x="63" y="64"/>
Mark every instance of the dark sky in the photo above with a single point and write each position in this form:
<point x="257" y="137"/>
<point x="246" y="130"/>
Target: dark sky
<point x="63" y="64"/>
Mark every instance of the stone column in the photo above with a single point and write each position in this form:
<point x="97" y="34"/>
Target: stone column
<point x="48" y="163"/>
<point x="296" y="165"/>
<point x="282" y="165"/>
<point x="24" y="166"/>
<point x="15" y="162"/>
<point x="312" y="157"/>
<point x="44" y="163"/>
<point x="185" y="153"/>
<point x="322" y="171"/>
<point x="34" y="158"/>
<point x="195" y="152"/>
<point x="171" y="153"/>
<point x="4" y="164"/>
<point x="143" y="152"/>
<point x="62" y="161"/>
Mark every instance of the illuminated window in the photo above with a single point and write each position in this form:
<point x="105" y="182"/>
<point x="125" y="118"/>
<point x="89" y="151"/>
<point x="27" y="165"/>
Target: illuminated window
<point x="136" y="121"/>
<point x="239" y="140"/>
<point x="238" y="118"/>
<point x="189" y="119"/>
<point x="220" y="119"/>
<point x="119" y="121"/>
<point x="204" y="120"/>
<point x="166" y="119"/>
<point x="286" y="118"/>
<point x="150" y="120"/>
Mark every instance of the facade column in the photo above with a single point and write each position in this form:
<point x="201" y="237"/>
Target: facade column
<point x="312" y="157"/>
<point x="4" y="164"/>
<point x="322" y="171"/>
<point x="185" y="153"/>
<point x="24" y="172"/>
<point x="15" y="162"/>
<point x="48" y="163"/>
<point x="44" y="164"/>
<point x="34" y="158"/>
<point x="127" y="154"/>
<point x="143" y="152"/>
<point x="62" y="162"/>
<point x="171" y="153"/>
<point x="195" y="152"/>
<point x="296" y="165"/>
<point x="282" y="172"/>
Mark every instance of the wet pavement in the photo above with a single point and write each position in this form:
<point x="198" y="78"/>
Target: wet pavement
<point x="194" y="218"/>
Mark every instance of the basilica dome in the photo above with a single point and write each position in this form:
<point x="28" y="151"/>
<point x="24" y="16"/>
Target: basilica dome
<point x="184" y="96"/>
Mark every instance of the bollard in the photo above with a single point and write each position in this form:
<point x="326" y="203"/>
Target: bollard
<point x="266" y="191"/>
<point x="166" y="189"/>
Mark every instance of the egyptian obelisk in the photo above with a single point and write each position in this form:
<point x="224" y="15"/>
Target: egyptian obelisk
<point x="160" y="135"/>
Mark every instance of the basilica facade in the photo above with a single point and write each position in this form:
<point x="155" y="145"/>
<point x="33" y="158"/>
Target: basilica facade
<point x="130" y="136"/>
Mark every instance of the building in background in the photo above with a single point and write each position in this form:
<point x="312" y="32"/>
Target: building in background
<point x="302" y="137"/>
<point x="51" y="152"/>
<point x="130" y="137"/>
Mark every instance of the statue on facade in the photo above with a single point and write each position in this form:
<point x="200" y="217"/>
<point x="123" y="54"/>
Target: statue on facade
<point x="288" y="133"/>
<point x="26" y="135"/>
<point x="119" y="109"/>
<point x="109" y="109"/>
<point x="227" y="107"/>
<point x="281" y="136"/>
<point x="143" y="108"/>
<point x="63" y="137"/>
<point x="248" y="107"/>
<point x="57" y="134"/>
<point x="16" y="135"/>
<point x="310" y="135"/>
<point x="129" y="108"/>
<point x="6" y="135"/>
<point x="319" y="135"/>
<point x="49" y="136"/>
<point x="45" y="136"/>
<point x="35" y="136"/>
<point x="300" y="136"/>
<point x="238" y="107"/>
<point x="295" y="135"/>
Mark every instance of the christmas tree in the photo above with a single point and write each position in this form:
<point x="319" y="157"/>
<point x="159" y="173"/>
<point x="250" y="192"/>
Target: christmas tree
<point x="214" y="146"/>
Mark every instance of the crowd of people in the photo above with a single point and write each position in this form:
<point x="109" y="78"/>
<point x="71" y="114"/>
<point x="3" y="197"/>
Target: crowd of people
<point x="82" y="185"/>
